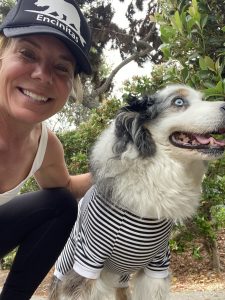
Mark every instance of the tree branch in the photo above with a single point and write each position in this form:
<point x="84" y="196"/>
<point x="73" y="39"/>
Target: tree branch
<point x="147" y="48"/>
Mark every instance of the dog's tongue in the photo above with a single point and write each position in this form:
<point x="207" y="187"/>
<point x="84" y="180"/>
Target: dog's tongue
<point x="208" y="140"/>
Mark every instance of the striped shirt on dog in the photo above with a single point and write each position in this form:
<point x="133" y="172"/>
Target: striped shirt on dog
<point x="108" y="236"/>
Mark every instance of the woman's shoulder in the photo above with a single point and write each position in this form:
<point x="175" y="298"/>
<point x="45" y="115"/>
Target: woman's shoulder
<point x="53" y="140"/>
<point x="54" y="148"/>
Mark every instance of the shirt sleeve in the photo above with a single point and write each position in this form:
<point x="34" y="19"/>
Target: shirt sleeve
<point x="65" y="261"/>
<point x="95" y="239"/>
<point x="158" y="267"/>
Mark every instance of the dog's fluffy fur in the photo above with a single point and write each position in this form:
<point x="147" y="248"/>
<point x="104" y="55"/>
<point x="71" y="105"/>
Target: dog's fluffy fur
<point x="151" y="160"/>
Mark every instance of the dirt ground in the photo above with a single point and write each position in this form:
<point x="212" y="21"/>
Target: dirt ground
<point x="188" y="274"/>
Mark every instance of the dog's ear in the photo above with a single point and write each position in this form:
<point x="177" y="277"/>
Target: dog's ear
<point x="130" y="126"/>
<point x="142" y="104"/>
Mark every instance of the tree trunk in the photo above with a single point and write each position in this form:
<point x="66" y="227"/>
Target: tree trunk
<point x="215" y="256"/>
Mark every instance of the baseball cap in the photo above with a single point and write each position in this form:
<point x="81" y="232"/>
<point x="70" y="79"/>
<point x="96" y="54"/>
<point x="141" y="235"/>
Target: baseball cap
<point x="62" y="18"/>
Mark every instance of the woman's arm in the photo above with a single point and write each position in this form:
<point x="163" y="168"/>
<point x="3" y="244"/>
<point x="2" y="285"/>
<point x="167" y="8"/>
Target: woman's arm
<point x="54" y="173"/>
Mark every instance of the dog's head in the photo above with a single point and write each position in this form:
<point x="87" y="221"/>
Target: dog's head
<point x="175" y="120"/>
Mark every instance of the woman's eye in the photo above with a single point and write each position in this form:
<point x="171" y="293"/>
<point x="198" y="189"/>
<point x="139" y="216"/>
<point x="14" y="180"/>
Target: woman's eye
<point x="64" y="69"/>
<point x="28" y="54"/>
<point x="178" y="102"/>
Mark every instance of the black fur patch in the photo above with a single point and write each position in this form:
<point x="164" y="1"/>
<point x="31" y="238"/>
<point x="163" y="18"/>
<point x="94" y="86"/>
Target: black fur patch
<point x="129" y="126"/>
<point x="139" y="104"/>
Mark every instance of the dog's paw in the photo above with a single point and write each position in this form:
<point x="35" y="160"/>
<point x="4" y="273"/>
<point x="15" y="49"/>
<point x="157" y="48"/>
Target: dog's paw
<point x="159" y="288"/>
<point x="148" y="288"/>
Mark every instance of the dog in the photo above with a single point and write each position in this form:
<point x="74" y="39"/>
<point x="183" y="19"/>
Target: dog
<point x="147" y="169"/>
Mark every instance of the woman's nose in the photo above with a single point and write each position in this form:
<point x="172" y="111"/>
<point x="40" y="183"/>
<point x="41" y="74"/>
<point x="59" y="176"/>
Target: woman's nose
<point x="42" y="72"/>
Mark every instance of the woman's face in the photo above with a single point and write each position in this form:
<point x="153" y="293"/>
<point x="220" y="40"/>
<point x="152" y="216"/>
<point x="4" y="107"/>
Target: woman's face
<point x="36" y="78"/>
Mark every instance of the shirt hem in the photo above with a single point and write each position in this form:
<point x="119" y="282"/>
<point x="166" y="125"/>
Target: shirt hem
<point x="86" y="272"/>
<point x="157" y="274"/>
<point x="58" y="274"/>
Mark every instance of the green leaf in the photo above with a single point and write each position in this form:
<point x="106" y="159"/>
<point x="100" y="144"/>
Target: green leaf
<point x="168" y="33"/>
<point x="185" y="74"/>
<point x="193" y="11"/>
<point x="177" y="23"/>
<point x="204" y="21"/>
<point x="195" y="5"/>
<point x="217" y="90"/>
<point x="190" y="23"/>
<point x="206" y="83"/>
<point x="165" y="48"/>
<point x="219" y="67"/>
<point x="202" y="63"/>
<point x="209" y="63"/>
<point x="219" y="86"/>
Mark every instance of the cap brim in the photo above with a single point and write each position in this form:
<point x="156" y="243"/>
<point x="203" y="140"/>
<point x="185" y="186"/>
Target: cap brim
<point x="81" y="59"/>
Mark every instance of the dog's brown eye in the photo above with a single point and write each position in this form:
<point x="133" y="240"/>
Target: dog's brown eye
<point x="178" y="102"/>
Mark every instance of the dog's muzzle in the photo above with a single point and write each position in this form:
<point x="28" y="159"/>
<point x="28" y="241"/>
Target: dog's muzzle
<point x="206" y="143"/>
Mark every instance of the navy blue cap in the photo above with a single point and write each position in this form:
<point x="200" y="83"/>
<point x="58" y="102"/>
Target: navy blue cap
<point x="62" y="18"/>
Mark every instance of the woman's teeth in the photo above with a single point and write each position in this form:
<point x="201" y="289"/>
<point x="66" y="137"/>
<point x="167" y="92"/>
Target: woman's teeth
<point x="35" y="96"/>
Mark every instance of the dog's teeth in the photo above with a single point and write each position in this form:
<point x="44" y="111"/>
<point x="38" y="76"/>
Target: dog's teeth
<point x="184" y="138"/>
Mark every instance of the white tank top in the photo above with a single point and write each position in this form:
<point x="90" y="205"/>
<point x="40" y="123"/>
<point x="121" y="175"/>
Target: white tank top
<point x="5" y="197"/>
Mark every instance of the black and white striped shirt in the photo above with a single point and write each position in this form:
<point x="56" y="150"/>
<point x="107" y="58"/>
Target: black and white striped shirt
<point x="108" y="236"/>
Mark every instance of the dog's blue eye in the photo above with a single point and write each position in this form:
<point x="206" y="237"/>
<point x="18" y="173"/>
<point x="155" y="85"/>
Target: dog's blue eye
<point x="179" y="102"/>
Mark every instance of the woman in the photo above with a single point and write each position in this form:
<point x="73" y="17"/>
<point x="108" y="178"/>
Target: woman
<point x="43" y="49"/>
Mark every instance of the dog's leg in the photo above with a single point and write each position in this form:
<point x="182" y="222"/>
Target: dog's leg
<point x="148" y="288"/>
<point x="76" y="287"/>
<point x="123" y="294"/>
<point x="54" y="289"/>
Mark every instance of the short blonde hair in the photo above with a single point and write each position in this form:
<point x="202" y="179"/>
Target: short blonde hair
<point x="77" y="88"/>
<point x="4" y="44"/>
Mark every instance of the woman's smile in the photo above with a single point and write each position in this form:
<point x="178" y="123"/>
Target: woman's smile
<point x="34" y="97"/>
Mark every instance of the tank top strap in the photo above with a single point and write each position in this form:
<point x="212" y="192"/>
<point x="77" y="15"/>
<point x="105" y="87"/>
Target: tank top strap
<point x="41" y="149"/>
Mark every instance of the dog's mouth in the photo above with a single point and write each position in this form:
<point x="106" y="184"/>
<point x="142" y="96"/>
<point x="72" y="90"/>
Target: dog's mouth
<point x="212" y="140"/>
